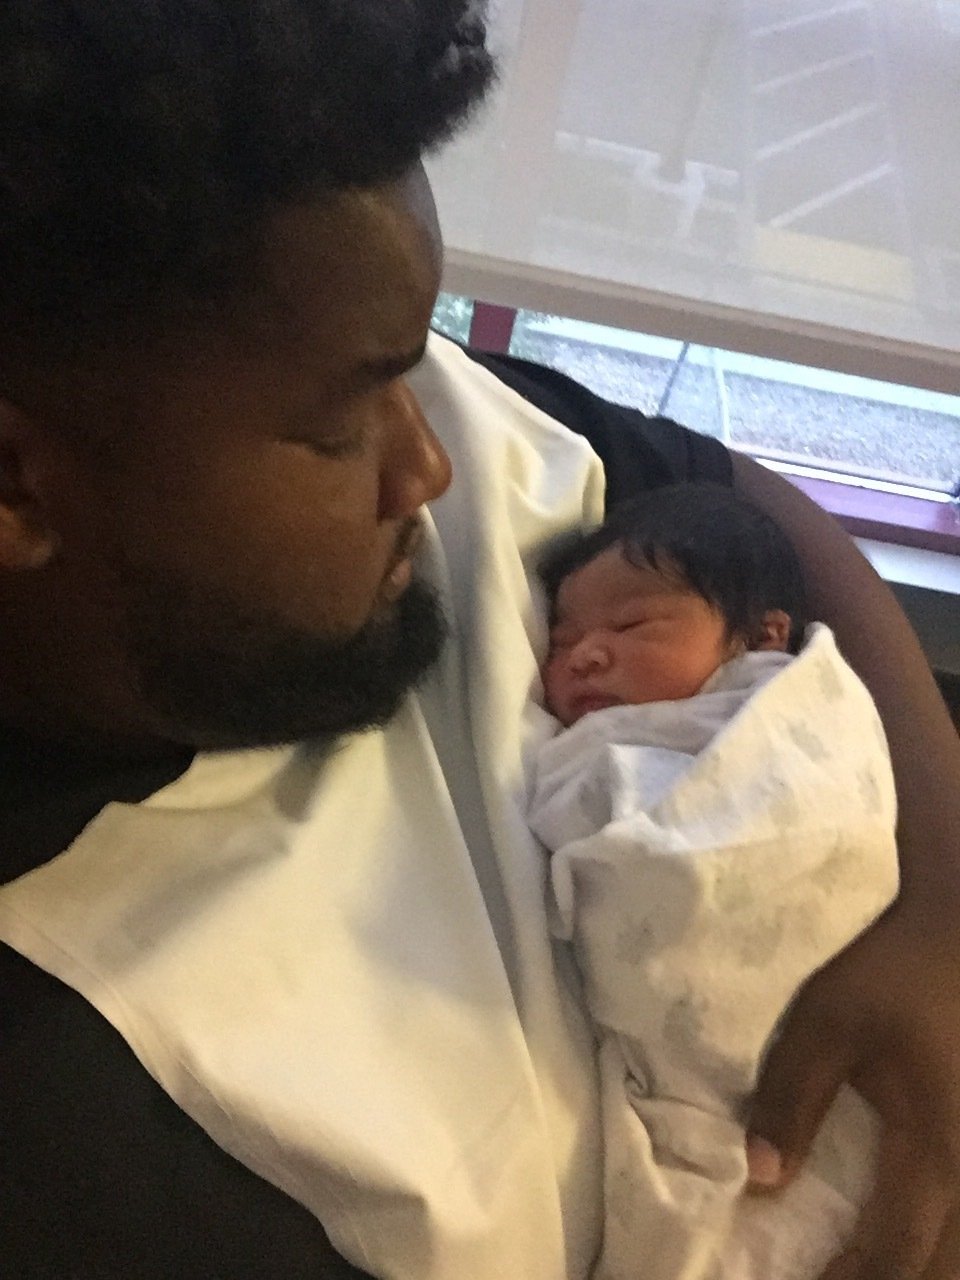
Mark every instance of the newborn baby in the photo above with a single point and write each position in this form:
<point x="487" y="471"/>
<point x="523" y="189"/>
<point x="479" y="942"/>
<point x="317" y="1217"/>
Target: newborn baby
<point x="720" y="809"/>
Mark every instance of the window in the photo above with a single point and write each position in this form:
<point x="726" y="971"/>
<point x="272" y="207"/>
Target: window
<point x="453" y="315"/>
<point x="889" y="436"/>
<point x="875" y="434"/>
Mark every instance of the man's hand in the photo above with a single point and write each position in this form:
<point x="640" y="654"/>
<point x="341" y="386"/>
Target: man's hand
<point x="885" y="1016"/>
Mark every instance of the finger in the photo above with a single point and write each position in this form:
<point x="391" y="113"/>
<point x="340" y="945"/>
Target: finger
<point x="900" y="1229"/>
<point x="800" y="1077"/>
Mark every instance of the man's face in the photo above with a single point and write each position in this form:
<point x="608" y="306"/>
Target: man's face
<point x="243" y="551"/>
<point x="629" y="635"/>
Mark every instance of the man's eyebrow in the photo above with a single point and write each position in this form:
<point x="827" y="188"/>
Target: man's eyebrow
<point x="386" y="368"/>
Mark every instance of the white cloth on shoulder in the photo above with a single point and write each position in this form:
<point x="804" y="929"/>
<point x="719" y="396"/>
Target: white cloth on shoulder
<point x="709" y="856"/>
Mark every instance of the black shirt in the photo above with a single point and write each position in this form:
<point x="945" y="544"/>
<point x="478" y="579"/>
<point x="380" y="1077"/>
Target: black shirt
<point x="102" y="1176"/>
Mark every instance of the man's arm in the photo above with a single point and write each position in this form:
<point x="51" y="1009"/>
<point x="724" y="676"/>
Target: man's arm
<point x="885" y="1015"/>
<point x="878" y="642"/>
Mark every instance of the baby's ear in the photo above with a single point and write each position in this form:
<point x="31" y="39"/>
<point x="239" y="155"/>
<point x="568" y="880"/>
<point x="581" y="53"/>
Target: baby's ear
<point x="774" y="632"/>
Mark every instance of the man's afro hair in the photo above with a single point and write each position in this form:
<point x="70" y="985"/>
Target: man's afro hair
<point x="145" y="143"/>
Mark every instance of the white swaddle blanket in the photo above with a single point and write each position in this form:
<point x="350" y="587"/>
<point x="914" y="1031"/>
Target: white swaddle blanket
<point x="709" y="856"/>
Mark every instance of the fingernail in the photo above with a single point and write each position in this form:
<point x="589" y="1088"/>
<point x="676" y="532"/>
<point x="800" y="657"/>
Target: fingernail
<point x="764" y="1162"/>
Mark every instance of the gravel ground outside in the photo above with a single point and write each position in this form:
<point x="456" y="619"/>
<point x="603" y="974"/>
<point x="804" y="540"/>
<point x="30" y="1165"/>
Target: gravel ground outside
<point x="797" y="423"/>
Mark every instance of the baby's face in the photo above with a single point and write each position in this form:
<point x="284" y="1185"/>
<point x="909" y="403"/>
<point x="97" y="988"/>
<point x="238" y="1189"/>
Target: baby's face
<point x="628" y="635"/>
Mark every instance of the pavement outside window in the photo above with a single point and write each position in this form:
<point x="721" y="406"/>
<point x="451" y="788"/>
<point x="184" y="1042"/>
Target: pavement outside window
<point x="849" y="426"/>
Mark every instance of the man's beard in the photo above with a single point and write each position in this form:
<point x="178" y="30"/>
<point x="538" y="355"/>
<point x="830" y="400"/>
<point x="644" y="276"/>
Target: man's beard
<point x="224" y="679"/>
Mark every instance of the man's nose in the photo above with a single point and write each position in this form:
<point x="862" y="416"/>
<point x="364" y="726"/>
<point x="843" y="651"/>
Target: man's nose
<point x="590" y="655"/>
<point x="414" y="466"/>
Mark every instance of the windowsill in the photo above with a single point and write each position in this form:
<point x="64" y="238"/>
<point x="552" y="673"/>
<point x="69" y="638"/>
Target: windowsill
<point x="888" y="517"/>
<point x="904" y="545"/>
<point x="914" y="567"/>
<point x="909" y="556"/>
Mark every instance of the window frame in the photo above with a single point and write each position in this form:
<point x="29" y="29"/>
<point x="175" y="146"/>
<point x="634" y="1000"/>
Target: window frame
<point x="926" y="524"/>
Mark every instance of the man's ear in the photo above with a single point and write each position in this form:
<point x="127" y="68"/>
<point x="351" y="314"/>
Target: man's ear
<point x="774" y="632"/>
<point x="26" y="539"/>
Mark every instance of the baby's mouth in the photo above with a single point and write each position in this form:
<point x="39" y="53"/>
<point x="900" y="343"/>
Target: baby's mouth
<point x="584" y="703"/>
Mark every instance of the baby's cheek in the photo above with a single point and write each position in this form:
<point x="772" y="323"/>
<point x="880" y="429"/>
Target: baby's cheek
<point x="551" y="675"/>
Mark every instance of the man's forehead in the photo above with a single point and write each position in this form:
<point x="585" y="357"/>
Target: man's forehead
<point x="361" y="264"/>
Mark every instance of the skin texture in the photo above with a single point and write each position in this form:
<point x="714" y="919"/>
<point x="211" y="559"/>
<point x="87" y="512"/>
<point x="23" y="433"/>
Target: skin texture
<point x="631" y="635"/>
<point x="248" y="506"/>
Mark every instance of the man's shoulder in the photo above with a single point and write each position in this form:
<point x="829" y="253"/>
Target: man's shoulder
<point x="638" y="451"/>
<point x="101" y="1174"/>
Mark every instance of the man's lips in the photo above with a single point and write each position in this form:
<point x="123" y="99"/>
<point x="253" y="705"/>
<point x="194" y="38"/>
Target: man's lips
<point x="408" y="544"/>
<point x="399" y="572"/>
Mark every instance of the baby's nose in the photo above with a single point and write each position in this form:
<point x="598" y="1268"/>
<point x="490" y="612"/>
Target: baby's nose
<point x="589" y="655"/>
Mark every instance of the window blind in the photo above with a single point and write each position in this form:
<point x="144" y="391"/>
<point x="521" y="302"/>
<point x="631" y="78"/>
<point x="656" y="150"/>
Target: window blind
<point x="775" y="176"/>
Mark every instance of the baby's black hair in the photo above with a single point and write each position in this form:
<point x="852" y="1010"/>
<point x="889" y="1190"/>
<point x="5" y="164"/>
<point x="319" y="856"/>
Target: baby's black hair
<point x="144" y="144"/>
<point x="728" y="551"/>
